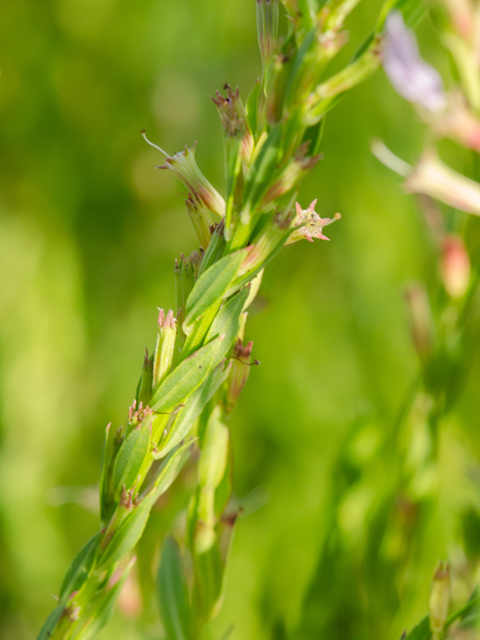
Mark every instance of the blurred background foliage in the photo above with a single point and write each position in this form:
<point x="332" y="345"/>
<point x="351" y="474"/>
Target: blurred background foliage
<point x="89" y="230"/>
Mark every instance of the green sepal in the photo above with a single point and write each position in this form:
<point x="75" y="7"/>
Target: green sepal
<point x="130" y="459"/>
<point x="104" y="608"/>
<point x="193" y="408"/>
<point x="211" y="287"/>
<point x="172" y="592"/>
<point x="79" y="568"/>
<point x="187" y="377"/>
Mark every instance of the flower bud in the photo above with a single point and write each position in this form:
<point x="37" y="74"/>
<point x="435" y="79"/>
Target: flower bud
<point x="309" y="224"/>
<point x="458" y="123"/>
<point x="412" y="77"/>
<point x="201" y="219"/>
<point x="420" y="320"/>
<point x="164" y="350"/>
<point x="463" y="17"/>
<point x="439" y="598"/>
<point x="239" y="372"/>
<point x="433" y="178"/>
<point x="184" y="166"/>
<point x="291" y="175"/>
<point x="455" y="266"/>
<point x="273" y="236"/>
<point x="267" y="28"/>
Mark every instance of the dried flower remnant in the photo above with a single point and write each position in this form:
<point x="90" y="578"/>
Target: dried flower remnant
<point x="412" y="77"/>
<point x="234" y="121"/>
<point x="310" y="224"/>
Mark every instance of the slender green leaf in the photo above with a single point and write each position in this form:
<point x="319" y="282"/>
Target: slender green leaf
<point x="170" y="470"/>
<point x="211" y="287"/>
<point x="130" y="459"/>
<point x="173" y="593"/>
<point x="421" y="631"/>
<point x="128" y="533"/>
<point x="79" y="568"/>
<point x="187" y="377"/>
<point x="105" y="607"/>
<point x="227" y="323"/>
<point x="193" y="408"/>
<point x="107" y="464"/>
<point x="51" y="622"/>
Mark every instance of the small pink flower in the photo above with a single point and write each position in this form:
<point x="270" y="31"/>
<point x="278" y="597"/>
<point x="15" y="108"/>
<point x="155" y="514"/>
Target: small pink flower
<point x="309" y="224"/>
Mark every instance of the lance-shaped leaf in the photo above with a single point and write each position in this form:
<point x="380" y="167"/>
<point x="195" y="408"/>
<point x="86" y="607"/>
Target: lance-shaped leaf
<point x="104" y="608"/>
<point x="170" y="470"/>
<point x="79" y="568"/>
<point x="109" y="451"/>
<point x="173" y="593"/>
<point x="128" y="533"/>
<point x="187" y="377"/>
<point x="46" y="631"/>
<point x="193" y="408"/>
<point x="421" y="631"/>
<point x="130" y="458"/>
<point x="227" y="322"/>
<point x="211" y="287"/>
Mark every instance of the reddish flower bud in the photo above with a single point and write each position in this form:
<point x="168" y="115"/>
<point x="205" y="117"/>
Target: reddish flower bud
<point x="455" y="266"/>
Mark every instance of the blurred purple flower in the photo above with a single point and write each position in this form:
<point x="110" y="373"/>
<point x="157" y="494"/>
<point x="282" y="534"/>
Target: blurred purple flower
<point x="412" y="77"/>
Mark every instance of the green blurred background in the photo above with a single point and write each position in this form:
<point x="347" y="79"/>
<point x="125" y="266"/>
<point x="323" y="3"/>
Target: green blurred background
<point x="89" y="230"/>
